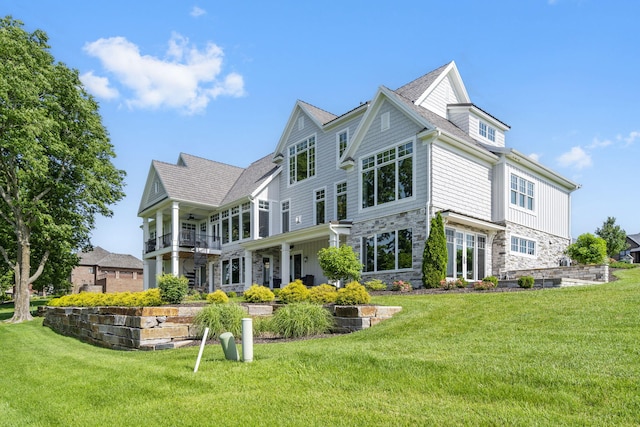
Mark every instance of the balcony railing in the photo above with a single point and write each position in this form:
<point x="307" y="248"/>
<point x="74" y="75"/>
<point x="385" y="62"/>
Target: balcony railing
<point x="187" y="239"/>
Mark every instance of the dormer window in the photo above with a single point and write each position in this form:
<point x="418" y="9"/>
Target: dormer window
<point x="487" y="131"/>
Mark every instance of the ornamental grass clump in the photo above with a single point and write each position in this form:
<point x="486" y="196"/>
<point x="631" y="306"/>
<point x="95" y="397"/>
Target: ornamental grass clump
<point x="301" y="319"/>
<point x="353" y="294"/>
<point x="217" y="297"/>
<point x="220" y="318"/>
<point x="323" y="294"/>
<point x="295" y="291"/>
<point x="257" y="294"/>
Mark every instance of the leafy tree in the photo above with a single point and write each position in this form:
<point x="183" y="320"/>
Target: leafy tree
<point x="614" y="235"/>
<point x="588" y="249"/>
<point x="55" y="159"/>
<point x="434" y="257"/>
<point x="340" y="263"/>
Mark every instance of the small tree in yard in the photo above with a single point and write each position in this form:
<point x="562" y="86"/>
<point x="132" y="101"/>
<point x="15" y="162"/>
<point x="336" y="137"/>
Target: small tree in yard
<point x="434" y="258"/>
<point x="173" y="289"/>
<point x="340" y="263"/>
<point x="588" y="249"/>
<point x="614" y="235"/>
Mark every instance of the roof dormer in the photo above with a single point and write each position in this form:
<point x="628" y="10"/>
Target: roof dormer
<point x="478" y="124"/>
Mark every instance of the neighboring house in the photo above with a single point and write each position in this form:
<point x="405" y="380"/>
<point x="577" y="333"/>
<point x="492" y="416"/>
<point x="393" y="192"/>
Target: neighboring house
<point x="102" y="271"/>
<point x="633" y="249"/>
<point x="371" y="178"/>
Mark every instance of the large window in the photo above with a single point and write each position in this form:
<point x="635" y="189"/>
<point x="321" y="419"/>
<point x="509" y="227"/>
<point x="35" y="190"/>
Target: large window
<point x="263" y="218"/>
<point x="522" y="192"/>
<point x="233" y="271"/>
<point x="285" y="216"/>
<point x="387" y="176"/>
<point x="302" y="160"/>
<point x="466" y="254"/>
<point x="246" y="220"/>
<point x="319" y="200"/>
<point x="388" y="251"/>
<point x="235" y="223"/>
<point x="341" y="201"/>
<point x="523" y="246"/>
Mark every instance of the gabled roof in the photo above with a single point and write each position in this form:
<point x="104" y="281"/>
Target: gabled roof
<point x="634" y="238"/>
<point x="318" y="114"/>
<point x="414" y="89"/>
<point x="104" y="258"/>
<point x="184" y="180"/>
<point x="252" y="178"/>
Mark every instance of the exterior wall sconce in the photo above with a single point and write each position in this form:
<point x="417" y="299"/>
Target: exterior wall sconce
<point x="306" y="259"/>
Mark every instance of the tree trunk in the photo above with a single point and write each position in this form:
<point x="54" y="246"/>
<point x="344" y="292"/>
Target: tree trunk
<point x="22" y="296"/>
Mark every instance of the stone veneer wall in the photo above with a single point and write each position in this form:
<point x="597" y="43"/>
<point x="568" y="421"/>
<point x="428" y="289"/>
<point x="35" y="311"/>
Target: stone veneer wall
<point x="549" y="250"/>
<point x="159" y="328"/>
<point x="415" y="220"/>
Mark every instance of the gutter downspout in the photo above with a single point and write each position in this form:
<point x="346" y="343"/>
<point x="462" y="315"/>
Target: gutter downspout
<point x="429" y="204"/>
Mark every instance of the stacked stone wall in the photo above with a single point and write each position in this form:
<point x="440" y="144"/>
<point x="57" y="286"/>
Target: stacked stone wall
<point x="589" y="273"/>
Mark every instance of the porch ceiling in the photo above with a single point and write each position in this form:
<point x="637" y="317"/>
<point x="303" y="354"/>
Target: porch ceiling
<point x="302" y="235"/>
<point x="453" y="217"/>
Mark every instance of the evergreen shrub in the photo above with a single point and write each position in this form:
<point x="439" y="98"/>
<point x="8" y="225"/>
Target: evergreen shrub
<point x="217" y="297"/>
<point x="257" y="294"/>
<point x="295" y="291"/>
<point x="353" y="294"/>
<point x="173" y="289"/>
<point x="526" y="282"/>
<point x="375" y="285"/>
<point x="323" y="294"/>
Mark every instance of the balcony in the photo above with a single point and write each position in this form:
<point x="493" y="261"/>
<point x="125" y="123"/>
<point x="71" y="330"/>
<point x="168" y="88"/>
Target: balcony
<point x="187" y="239"/>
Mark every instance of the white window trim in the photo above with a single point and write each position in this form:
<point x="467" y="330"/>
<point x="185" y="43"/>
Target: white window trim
<point x="289" y="210"/>
<point x="487" y="249"/>
<point x="527" y="239"/>
<point x="375" y="252"/>
<point x="335" y="198"/>
<point x="315" y="139"/>
<point x="395" y="202"/>
<point x="346" y="130"/>
<point x="516" y="206"/>
<point x="315" y="219"/>
<point x="487" y="126"/>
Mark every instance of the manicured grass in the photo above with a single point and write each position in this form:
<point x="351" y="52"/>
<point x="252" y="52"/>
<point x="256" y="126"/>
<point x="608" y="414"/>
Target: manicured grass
<point x="552" y="357"/>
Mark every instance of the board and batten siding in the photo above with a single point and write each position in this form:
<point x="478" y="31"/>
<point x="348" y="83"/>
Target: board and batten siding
<point x="551" y="203"/>
<point x="460" y="184"/>
<point x="402" y="129"/>
<point x="440" y="97"/>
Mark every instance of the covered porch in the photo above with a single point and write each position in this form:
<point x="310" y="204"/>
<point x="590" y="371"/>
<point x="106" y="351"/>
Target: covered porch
<point x="277" y="260"/>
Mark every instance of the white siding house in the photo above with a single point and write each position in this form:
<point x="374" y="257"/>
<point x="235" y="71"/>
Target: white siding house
<point x="371" y="178"/>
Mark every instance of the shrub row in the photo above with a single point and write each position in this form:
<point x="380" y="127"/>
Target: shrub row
<point x="148" y="298"/>
<point x="296" y="291"/>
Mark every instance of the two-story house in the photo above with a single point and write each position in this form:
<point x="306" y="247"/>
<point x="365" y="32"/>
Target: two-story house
<point x="371" y="178"/>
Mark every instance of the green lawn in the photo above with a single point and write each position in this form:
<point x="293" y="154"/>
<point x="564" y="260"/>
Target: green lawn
<point x="552" y="357"/>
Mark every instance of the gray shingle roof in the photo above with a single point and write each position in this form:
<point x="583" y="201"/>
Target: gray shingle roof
<point x="104" y="258"/>
<point x="251" y="178"/>
<point x="197" y="180"/>
<point x="417" y="87"/>
<point x="320" y="115"/>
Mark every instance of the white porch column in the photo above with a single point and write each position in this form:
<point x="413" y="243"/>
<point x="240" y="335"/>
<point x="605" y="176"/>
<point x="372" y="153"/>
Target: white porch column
<point x="145" y="235"/>
<point x="210" y="272"/>
<point x="158" y="269"/>
<point x="175" y="238"/>
<point x="285" y="268"/>
<point x="248" y="269"/>
<point x="145" y="274"/>
<point x="159" y="221"/>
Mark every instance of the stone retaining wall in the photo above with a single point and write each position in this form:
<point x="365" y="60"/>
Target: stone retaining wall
<point x="158" y="328"/>
<point x="589" y="273"/>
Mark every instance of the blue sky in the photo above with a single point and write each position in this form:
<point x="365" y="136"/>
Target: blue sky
<point x="219" y="80"/>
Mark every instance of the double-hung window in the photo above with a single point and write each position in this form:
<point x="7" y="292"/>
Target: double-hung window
<point x="341" y="201"/>
<point x="319" y="196"/>
<point x="487" y="131"/>
<point x="302" y="160"/>
<point x="342" y="140"/>
<point x="387" y="176"/>
<point x="522" y="192"/>
<point x="263" y="218"/>
<point x="285" y="206"/>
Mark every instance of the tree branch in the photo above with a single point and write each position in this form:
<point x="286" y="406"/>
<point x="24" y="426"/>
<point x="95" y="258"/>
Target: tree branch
<point x="5" y="255"/>
<point x="40" y="269"/>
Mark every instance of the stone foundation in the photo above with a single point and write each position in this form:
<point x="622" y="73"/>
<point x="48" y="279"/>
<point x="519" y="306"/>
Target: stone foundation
<point x="159" y="328"/>
<point x="580" y="273"/>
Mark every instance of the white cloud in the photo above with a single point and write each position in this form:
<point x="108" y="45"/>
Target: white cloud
<point x="535" y="156"/>
<point x="98" y="86"/>
<point x="196" y="11"/>
<point x="599" y="144"/>
<point x="188" y="79"/>
<point x="633" y="136"/>
<point x="576" y="158"/>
